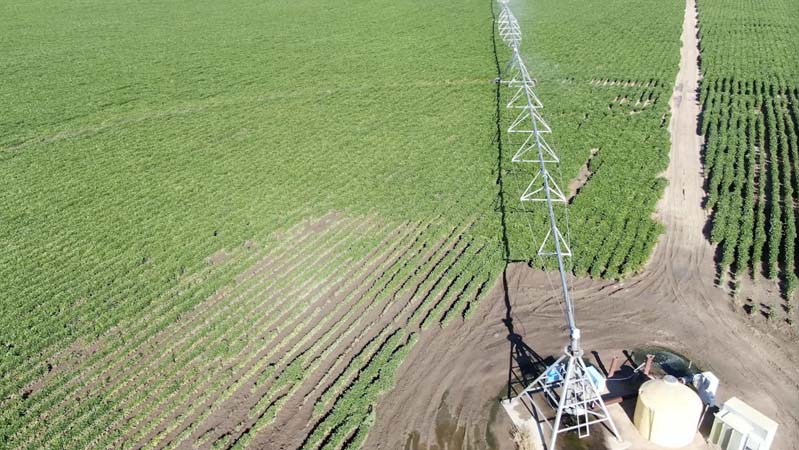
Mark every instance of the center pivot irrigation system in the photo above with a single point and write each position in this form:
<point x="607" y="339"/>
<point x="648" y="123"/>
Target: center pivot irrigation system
<point x="565" y="385"/>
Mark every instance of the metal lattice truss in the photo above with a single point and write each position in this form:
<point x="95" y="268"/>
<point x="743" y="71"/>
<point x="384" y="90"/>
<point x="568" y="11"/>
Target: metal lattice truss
<point x="525" y="106"/>
<point x="561" y="388"/>
<point x="509" y="27"/>
<point x="565" y="385"/>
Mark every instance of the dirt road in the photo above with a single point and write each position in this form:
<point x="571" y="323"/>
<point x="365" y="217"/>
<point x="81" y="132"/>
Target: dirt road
<point x="447" y="389"/>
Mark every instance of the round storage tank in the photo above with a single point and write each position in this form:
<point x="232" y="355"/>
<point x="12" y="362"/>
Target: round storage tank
<point x="667" y="412"/>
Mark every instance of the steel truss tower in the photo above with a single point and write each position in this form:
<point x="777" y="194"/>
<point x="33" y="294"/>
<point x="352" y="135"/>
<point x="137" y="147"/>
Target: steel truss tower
<point x="565" y="385"/>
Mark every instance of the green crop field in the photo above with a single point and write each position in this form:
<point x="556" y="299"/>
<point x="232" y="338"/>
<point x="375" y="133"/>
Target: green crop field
<point x="750" y="97"/>
<point x="607" y="101"/>
<point x="156" y="156"/>
<point x="211" y="212"/>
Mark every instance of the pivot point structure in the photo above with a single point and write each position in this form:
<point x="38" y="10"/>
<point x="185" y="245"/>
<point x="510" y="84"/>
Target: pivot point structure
<point x="565" y="386"/>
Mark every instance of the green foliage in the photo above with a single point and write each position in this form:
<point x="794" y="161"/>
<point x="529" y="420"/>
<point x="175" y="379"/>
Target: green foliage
<point x="139" y="138"/>
<point x="605" y="77"/>
<point x="750" y="96"/>
<point x="355" y="405"/>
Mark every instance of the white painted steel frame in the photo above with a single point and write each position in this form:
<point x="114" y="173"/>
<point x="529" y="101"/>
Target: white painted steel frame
<point x="571" y="390"/>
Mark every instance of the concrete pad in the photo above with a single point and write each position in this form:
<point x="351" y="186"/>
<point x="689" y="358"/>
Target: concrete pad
<point x="523" y="421"/>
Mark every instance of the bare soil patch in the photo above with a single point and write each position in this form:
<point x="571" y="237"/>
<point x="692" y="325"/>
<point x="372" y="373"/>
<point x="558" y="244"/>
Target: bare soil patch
<point x="582" y="177"/>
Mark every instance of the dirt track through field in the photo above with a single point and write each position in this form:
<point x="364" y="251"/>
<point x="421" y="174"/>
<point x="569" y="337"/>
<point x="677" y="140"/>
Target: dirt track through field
<point x="447" y="389"/>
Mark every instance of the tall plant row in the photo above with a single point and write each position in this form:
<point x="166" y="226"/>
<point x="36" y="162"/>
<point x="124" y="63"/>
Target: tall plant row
<point x="750" y="94"/>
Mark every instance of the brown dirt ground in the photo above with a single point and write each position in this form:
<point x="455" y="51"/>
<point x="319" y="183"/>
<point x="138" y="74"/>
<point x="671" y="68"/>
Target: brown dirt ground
<point x="447" y="388"/>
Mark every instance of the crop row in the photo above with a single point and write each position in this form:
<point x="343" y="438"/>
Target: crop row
<point x="155" y="343"/>
<point x="750" y="121"/>
<point x="399" y="294"/>
<point x="174" y="380"/>
<point x="70" y="364"/>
